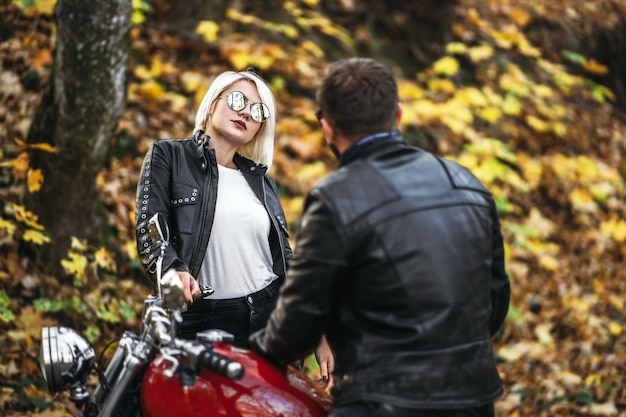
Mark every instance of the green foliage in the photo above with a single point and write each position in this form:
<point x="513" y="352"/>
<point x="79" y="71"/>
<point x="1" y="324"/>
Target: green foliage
<point x="127" y="311"/>
<point x="514" y="314"/>
<point x="7" y="226"/>
<point x="140" y="9"/>
<point x="6" y="315"/>
<point x="94" y="304"/>
<point x="32" y="394"/>
<point x="73" y="303"/>
<point x="25" y="4"/>
<point x="105" y="312"/>
<point x="516" y="229"/>
<point x="585" y="396"/>
<point x="574" y="57"/>
<point x="600" y="92"/>
<point x="92" y="333"/>
<point x="504" y="205"/>
<point x="32" y="230"/>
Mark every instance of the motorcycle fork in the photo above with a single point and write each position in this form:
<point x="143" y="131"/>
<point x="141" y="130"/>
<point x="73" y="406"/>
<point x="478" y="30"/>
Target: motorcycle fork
<point x="128" y="362"/>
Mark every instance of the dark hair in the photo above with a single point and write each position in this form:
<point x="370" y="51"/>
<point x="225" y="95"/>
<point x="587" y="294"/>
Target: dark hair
<point x="359" y="96"/>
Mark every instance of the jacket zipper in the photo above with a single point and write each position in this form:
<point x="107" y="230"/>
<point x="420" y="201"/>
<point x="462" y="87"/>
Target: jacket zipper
<point x="205" y="214"/>
<point x="279" y="232"/>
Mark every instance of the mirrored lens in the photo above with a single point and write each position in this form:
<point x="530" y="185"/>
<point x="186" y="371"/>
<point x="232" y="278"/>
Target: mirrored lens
<point x="237" y="101"/>
<point x="259" y="112"/>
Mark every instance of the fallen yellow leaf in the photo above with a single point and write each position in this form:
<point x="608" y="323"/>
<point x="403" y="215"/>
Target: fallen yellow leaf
<point x="104" y="259"/>
<point x="559" y="129"/>
<point x="615" y="328"/>
<point x="208" y="29"/>
<point x="191" y="80"/>
<point x="582" y="200"/>
<point x="480" y="53"/>
<point x="34" y="180"/>
<point x="519" y="16"/>
<point x="511" y="105"/>
<point x="491" y="114"/>
<point x="542" y="332"/>
<point x="594" y="67"/>
<point x="569" y="378"/>
<point x="444" y="85"/>
<point x="456" y="48"/>
<point x="537" y="124"/>
<point x="446" y="66"/>
<point x="20" y="166"/>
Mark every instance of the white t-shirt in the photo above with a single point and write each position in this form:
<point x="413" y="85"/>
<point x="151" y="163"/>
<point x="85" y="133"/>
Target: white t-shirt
<point x="238" y="260"/>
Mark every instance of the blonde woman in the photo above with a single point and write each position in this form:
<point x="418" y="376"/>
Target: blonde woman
<point x="228" y="228"/>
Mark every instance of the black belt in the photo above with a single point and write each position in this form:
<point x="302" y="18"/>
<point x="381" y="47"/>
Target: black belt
<point x="264" y="295"/>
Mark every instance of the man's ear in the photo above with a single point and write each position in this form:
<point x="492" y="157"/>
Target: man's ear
<point x="331" y="138"/>
<point x="399" y="115"/>
<point x="329" y="133"/>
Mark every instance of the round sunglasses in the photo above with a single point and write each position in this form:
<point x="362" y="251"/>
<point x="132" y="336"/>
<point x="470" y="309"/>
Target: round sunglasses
<point x="237" y="101"/>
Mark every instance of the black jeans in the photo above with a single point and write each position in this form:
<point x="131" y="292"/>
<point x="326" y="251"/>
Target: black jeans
<point x="239" y="316"/>
<point x="363" y="409"/>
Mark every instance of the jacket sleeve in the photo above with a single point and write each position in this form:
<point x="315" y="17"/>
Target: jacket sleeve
<point x="153" y="196"/>
<point x="500" y="284"/>
<point x="306" y="298"/>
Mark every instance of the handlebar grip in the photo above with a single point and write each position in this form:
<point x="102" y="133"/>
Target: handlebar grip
<point x="205" y="291"/>
<point x="221" y="365"/>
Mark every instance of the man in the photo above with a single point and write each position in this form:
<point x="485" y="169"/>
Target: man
<point x="399" y="260"/>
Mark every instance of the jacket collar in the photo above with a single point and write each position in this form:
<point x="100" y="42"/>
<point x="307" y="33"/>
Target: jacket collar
<point x="244" y="164"/>
<point x="357" y="147"/>
<point x="248" y="165"/>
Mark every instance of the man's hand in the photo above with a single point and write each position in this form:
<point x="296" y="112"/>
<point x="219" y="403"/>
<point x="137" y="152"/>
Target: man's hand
<point x="190" y="287"/>
<point x="326" y="360"/>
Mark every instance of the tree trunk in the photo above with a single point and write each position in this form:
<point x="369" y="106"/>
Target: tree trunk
<point x="78" y="115"/>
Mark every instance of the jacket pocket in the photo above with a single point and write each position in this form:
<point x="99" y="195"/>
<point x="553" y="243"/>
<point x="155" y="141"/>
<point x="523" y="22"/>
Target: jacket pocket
<point x="185" y="199"/>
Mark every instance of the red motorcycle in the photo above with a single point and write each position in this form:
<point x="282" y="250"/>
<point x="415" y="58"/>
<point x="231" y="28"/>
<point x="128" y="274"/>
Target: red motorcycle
<point x="156" y="374"/>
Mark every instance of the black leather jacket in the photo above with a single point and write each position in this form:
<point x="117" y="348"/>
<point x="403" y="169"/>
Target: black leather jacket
<point x="179" y="179"/>
<point x="400" y="262"/>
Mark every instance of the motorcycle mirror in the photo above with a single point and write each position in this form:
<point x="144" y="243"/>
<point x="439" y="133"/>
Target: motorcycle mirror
<point x="158" y="230"/>
<point x="159" y="234"/>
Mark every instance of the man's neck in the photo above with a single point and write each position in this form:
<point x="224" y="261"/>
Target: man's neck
<point x="355" y="148"/>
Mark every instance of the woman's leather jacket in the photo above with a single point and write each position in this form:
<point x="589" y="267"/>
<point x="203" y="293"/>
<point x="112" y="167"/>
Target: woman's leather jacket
<point x="400" y="262"/>
<point x="179" y="180"/>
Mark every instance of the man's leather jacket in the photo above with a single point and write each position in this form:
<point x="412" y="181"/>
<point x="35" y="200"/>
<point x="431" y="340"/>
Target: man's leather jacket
<point x="179" y="179"/>
<point x="400" y="262"/>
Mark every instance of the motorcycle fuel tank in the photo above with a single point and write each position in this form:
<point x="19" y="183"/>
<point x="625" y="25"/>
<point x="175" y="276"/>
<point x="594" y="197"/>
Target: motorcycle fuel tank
<point x="264" y="391"/>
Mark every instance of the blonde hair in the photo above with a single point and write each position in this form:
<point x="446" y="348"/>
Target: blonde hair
<point x="261" y="148"/>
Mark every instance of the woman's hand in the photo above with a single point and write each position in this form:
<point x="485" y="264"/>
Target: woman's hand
<point x="190" y="287"/>
<point x="326" y="361"/>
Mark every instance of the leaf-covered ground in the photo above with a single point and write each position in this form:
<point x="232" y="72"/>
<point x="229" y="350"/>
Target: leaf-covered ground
<point x="528" y="120"/>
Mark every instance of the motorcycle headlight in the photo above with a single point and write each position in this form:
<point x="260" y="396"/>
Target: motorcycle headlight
<point x="65" y="358"/>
